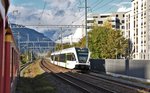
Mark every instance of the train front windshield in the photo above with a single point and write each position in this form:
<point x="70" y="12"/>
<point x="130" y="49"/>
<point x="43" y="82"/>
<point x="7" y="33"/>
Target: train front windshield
<point x="82" y="55"/>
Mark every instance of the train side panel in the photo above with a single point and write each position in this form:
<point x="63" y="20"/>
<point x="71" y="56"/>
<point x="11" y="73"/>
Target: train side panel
<point x="11" y="63"/>
<point x="7" y="78"/>
<point x="2" y="51"/>
<point x="68" y="58"/>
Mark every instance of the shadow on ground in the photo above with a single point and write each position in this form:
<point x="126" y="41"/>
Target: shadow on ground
<point x="36" y="84"/>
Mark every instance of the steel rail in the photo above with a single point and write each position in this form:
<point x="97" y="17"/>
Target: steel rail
<point x="66" y="77"/>
<point x="123" y="84"/>
<point x="45" y="68"/>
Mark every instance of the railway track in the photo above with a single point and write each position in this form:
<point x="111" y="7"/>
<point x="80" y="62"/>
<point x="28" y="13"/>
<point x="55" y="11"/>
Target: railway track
<point x="129" y="85"/>
<point x="90" y="83"/>
<point x="24" y="66"/>
<point x="109" y="84"/>
<point x="84" y="86"/>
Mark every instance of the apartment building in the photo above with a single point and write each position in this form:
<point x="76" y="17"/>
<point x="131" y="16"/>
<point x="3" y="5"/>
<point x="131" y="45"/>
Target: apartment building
<point x="137" y="28"/>
<point x="116" y="19"/>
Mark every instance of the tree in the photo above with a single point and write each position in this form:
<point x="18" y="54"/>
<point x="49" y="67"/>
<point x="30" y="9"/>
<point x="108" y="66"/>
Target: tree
<point x="107" y="23"/>
<point x="63" y="46"/>
<point x="105" y="42"/>
<point x="23" y="58"/>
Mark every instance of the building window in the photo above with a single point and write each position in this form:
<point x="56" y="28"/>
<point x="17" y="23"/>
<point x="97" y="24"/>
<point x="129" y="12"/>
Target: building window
<point x="123" y="15"/>
<point x="122" y="21"/>
<point x="104" y="16"/>
<point x="95" y="16"/>
<point x="100" y="22"/>
<point x="136" y="48"/>
<point x="117" y="15"/>
<point x="113" y="26"/>
<point x="127" y="26"/>
<point x="122" y="27"/>
<point x="141" y="42"/>
<point x="136" y="40"/>
<point x="89" y="27"/>
<point x="142" y="50"/>
<point x="118" y="27"/>
<point x="90" y="21"/>
<point x="112" y="20"/>
<point x="136" y="31"/>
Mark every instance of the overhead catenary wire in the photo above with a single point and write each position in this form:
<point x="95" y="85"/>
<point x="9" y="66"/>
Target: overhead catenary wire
<point x="110" y="8"/>
<point x="42" y="12"/>
<point x="93" y="4"/>
<point x="78" y="17"/>
<point x="98" y="3"/>
<point x="103" y="5"/>
<point x="75" y="5"/>
<point x="84" y="14"/>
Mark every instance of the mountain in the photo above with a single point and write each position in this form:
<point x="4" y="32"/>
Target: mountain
<point x="24" y="36"/>
<point x="56" y="34"/>
<point x="73" y="37"/>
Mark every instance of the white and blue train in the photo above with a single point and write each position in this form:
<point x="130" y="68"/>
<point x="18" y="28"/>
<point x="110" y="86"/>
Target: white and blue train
<point x="72" y="58"/>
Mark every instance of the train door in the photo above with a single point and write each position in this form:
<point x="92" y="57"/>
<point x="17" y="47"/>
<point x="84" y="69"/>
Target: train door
<point x="62" y="60"/>
<point x="71" y="61"/>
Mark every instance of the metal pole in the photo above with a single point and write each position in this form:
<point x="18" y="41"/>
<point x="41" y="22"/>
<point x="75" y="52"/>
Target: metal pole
<point x="18" y="37"/>
<point x="31" y="55"/>
<point x="61" y="39"/>
<point x="86" y="24"/>
<point x="28" y="47"/>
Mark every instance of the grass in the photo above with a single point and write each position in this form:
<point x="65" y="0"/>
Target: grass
<point x="34" y="80"/>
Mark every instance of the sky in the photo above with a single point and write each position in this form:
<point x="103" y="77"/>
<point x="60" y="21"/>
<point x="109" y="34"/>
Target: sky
<point x="60" y="12"/>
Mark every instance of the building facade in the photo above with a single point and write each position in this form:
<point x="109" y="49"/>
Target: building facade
<point x="137" y="27"/>
<point x="117" y="20"/>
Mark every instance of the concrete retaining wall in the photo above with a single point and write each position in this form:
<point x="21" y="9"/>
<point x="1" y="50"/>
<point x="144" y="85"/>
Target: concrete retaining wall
<point x="139" y="68"/>
<point x="134" y="68"/>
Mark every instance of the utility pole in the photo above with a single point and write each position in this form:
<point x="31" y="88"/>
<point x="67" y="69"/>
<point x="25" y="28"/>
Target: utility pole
<point x="18" y="37"/>
<point x="61" y="39"/>
<point x="86" y="24"/>
<point x="27" y="46"/>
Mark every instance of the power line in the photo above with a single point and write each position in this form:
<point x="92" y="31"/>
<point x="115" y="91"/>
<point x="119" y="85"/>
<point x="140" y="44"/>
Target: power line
<point x="106" y="10"/>
<point x="78" y="7"/>
<point x="98" y="3"/>
<point x="42" y="12"/>
<point x="94" y="3"/>
<point x="102" y="5"/>
<point x="79" y="17"/>
<point x="84" y="14"/>
<point x="49" y="26"/>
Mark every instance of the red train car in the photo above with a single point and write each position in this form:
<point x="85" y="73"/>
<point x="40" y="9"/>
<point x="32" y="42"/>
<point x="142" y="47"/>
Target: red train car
<point x="9" y="54"/>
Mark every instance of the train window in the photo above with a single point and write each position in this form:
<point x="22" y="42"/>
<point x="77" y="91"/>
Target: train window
<point x="52" y="57"/>
<point x="71" y="57"/>
<point x="11" y="66"/>
<point x="82" y="55"/>
<point x="56" y="58"/>
<point x="62" y="58"/>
